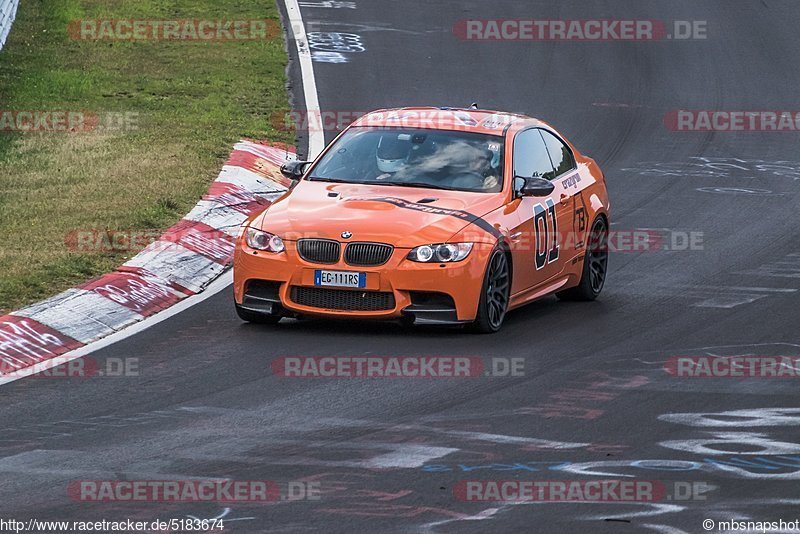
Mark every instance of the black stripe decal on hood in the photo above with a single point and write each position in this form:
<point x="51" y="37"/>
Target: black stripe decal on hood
<point x="465" y="216"/>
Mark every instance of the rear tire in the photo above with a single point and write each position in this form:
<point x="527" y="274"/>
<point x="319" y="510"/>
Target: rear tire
<point x="255" y="317"/>
<point x="595" y="265"/>
<point x="495" y="293"/>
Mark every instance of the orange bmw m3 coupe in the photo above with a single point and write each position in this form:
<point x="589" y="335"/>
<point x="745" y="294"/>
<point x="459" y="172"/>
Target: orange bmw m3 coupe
<point x="440" y="216"/>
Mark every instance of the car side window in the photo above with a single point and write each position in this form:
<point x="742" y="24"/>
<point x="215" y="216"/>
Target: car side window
<point x="560" y="154"/>
<point x="530" y="156"/>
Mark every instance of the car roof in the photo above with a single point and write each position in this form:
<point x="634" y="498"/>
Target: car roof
<point x="443" y="118"/>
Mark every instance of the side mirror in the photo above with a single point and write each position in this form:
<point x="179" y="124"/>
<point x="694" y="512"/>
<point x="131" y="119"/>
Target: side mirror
<point x="294" y="170"/>
<point x="537" y="187"/>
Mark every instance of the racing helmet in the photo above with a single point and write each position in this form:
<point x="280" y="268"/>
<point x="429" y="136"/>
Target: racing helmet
<point x="393" y="152"/>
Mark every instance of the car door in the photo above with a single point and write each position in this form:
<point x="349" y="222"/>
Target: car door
<point x="535" y="241"/>
<point x="570" y="207"/>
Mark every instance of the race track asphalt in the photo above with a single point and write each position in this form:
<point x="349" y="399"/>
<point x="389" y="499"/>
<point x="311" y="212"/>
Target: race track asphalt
<point x="595" y="401"/>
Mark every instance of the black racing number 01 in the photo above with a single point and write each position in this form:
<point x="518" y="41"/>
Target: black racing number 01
<point x="546" y="233"/>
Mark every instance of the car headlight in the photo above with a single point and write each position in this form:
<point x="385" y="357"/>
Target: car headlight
<point x="263" y="241"/>
<point x="442" y="253"/>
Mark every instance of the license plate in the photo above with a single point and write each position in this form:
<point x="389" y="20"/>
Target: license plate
<point x="340" y="279"/>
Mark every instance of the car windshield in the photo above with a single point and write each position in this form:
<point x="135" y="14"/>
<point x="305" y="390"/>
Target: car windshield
<point x="439" y="159"/>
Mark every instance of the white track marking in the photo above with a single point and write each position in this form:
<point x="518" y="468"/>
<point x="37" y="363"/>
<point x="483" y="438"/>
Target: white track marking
<point x="316" y="137"/>
<point x="215" y="287"/>
<point x="221" y="516"/>
<point x="408" y="457"/>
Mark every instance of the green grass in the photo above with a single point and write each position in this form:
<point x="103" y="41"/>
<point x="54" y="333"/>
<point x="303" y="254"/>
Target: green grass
<point x="190" y="101"/>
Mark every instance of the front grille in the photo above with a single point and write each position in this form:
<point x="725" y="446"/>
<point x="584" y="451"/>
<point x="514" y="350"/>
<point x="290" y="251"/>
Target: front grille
<point x="342" y="299"/>
<point x="367" y="254"/>
<point x="319" y="250"/>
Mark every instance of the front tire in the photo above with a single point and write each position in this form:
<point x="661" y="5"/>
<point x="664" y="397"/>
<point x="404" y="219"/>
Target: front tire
<point x="495" y="293"/>
<point x="255" y="317"/>
<point x="595" y="265"/>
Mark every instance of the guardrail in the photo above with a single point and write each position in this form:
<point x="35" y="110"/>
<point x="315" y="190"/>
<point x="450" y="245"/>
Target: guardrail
<point x="8" y="8"/>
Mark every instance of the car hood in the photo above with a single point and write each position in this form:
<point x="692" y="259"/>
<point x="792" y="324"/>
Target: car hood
<point x="402" y="216"/>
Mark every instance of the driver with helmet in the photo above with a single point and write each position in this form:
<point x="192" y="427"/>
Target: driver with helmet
<point x="394" y="152"/>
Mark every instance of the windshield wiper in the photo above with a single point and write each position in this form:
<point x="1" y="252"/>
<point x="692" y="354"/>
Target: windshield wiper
<point x="381" y="182"/>
<point x="320" y="179"/>
<point x="415" y="184"/>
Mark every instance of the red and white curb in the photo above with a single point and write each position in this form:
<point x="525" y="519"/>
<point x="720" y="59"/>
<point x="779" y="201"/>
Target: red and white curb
<point x="8" y="8"/>
<point x="180" y="264"/>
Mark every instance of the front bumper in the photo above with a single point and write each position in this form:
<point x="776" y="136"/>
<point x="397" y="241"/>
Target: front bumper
<point x="400" y="287"/>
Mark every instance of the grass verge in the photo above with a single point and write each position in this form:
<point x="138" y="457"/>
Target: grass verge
<point x="176" y="108"/>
